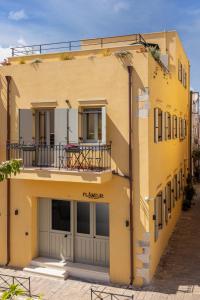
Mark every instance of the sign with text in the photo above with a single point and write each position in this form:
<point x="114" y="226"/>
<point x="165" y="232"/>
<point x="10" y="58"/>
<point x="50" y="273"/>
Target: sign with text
<point x="93" y="195"/>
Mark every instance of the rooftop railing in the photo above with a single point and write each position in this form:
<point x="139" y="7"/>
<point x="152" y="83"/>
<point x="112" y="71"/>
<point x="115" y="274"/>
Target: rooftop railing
<point x="77" y="45"/>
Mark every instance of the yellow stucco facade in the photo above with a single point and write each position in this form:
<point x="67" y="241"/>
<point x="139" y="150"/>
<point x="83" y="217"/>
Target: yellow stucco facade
<point x="96" y="78"/>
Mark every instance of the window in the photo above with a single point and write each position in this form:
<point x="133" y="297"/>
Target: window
<point x="158" y="214"/>
<point x="181" y="179"/>
<point x="180" y="72"/>
<point x="169" y="197"/>
<point x="175" y="188"/>
<point x="157" y="125"/>
<point x="175" y="127"/>
<point x="60" y="215"/>
<point x="168" y="127"/>
<point x="182" y="128"/>
<point x="102" y="219"/>
<point x="184" y="78"/>
<point x="94" y="125"/>
<point x="83" y="217"/>
<point x="178" y="186"/>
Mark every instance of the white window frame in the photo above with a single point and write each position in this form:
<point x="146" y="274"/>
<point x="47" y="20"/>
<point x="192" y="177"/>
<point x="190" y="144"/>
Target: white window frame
<point x="102" y="110"/>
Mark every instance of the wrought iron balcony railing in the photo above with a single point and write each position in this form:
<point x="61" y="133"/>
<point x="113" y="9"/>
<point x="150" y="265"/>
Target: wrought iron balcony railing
<point x="95" y="158"/>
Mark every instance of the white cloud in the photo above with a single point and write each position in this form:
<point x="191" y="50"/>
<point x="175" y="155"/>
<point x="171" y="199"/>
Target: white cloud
<point x="17" y="15"/>
<point x="119" y="6"/>
<point x="4" y="53"/>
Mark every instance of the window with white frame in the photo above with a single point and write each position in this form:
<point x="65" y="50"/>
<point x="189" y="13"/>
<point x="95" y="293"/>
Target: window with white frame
<point x="157" y="125"/>
<point x="94" y="125"/>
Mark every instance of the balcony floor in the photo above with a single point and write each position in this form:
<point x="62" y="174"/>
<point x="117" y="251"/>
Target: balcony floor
<point x="54" y="174"/>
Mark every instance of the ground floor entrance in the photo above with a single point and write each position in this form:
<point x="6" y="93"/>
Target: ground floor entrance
<point x="74" y="231"/>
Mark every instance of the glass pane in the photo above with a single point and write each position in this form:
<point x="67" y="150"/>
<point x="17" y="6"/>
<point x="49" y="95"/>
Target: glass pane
<point x="61" y="215"/>
<point x="83" y="217"/>
<point x="90" y="126"/>
<point x="99" y="126"/>
<point x="102" y="219"/>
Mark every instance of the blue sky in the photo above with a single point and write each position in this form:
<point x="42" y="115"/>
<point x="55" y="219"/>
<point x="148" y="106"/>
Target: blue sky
<point x="41" y="21"/>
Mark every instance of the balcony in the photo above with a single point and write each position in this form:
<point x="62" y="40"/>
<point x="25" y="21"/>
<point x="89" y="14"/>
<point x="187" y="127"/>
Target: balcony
<point x="76" y="163"/>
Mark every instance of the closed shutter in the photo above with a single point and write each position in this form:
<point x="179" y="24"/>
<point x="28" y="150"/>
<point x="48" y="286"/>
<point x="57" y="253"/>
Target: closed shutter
<point x="180" y="128"/>
<point x="166" y="205"/>
<point x="25" y="126"/>
<point x="156" y="125"/>
<point x="163" y="126"/>
<point x="166" y="126"/>
<point x="73" y="126"/>
<point x="156" y="229"/>
<point x="177" y="130"/>
<point x="103" y="125"/>
<point x="178" y="186"/>
<point x="61" y="126"/>
<point x="172" y="193"/>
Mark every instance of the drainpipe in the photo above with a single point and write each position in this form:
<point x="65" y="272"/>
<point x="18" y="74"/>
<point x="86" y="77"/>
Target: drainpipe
<point x="130" y="71"/>
<point x="8" y="79"/>
<point x="190" y="134"/>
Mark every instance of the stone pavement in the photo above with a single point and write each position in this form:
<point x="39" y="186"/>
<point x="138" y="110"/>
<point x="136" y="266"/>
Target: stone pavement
<point x="177" y="278"/>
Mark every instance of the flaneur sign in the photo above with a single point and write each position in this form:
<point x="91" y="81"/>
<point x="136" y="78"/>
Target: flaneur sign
<point x="93" y="195"/>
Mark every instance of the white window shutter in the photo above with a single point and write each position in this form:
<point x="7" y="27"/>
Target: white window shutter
<point x="73" y="126"/>
<point x="60" y="130"/>
<point x="25" y="126"/>
<point x="103" y="125"/>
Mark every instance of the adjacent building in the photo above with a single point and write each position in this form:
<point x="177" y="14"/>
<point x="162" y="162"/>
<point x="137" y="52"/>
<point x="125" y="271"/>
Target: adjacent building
<point x="102" y="128"/>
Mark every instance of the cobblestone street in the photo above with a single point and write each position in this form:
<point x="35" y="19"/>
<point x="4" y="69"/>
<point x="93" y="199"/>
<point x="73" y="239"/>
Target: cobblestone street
<point x="178" y="275"/>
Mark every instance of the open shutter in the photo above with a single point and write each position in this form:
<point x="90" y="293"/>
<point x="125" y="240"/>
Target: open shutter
<point x="103" y="109"/>
<point x="25" y="126"/>
<point x="156" y="125"/>
<point x="73" y="126"/>
<point x="60" y="126"/>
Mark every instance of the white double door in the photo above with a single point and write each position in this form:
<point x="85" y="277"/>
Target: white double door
<point x="74" y="231"/>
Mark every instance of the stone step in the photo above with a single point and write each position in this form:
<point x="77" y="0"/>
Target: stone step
<point x="88" y="272"/>
<point x="49" y="272"/>
<point x="47" y="262"/>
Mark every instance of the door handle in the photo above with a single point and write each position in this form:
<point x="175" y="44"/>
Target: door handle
<point x="65" y="235"/>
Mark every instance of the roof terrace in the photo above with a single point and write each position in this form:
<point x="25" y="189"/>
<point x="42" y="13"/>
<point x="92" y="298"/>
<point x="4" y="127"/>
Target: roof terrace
<point x="86" y="44"/>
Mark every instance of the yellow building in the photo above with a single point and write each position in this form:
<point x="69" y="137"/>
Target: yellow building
<point x="102" y="129"/>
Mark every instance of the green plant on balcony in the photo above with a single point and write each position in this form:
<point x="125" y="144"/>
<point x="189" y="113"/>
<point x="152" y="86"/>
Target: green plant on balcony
<point x="106" y="52"/>
<point x="22" y="62"/>
<point x="66" y="56"/>
<point x="9" y="168"/>
<point x="155" y="52"/>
